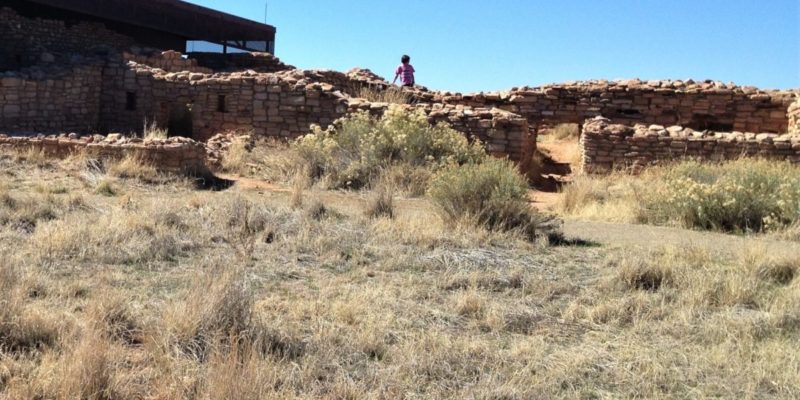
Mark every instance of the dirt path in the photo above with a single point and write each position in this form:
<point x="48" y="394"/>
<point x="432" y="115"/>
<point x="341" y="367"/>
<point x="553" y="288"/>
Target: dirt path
<point x="556" y="170"/>
<point x="252" y="184"/>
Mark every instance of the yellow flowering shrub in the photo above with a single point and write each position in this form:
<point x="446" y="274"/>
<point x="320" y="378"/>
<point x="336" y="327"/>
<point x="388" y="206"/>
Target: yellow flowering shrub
<point x="355" y="151"/>
<point x="743" y="195"/>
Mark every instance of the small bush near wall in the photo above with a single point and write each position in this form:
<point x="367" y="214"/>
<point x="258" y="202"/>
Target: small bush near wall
<point x="492" y="194"/>
<point x="356" y="152"/>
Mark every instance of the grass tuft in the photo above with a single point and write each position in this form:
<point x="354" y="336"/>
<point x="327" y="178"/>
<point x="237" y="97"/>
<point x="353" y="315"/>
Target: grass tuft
<point x="391" y="95"/>
<point x="381" y="205"/>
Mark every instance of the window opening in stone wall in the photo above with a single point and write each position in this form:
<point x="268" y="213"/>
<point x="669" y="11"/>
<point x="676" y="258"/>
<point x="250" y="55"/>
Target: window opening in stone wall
<point x="221" y="103"/>
<point x="627" y="112"/>
<point x="704" y="122"/>
<point x="18" y="59"/>
<point x="130" y="101"/>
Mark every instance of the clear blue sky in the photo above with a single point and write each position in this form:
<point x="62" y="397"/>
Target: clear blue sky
<point x="474" y="45"/>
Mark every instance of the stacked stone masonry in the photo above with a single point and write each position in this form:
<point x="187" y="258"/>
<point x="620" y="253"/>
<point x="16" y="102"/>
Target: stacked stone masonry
<point x="699" y="105"/>
<point x="51" y="100"/>
<point x="175" y="155"/>
<point x="28" y="42"/>
<point x="200" y="105"/>
<point x="607" y="146"/>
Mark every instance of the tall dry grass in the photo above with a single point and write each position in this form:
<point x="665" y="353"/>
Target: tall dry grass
<point x="346" y="306"/>
<point x="152" y="131"/>
<point x="391" y="95"/>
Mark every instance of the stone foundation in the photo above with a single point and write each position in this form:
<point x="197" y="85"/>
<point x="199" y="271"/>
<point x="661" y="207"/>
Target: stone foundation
<point x="607" y="146"/>
<point x="175" y="155"/>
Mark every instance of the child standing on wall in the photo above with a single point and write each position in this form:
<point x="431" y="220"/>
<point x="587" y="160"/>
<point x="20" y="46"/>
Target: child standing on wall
<point x="405" y="72"/>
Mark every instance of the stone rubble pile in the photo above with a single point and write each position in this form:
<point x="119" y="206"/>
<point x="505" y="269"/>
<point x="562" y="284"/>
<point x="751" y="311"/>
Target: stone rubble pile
<point x="218" y="145"/>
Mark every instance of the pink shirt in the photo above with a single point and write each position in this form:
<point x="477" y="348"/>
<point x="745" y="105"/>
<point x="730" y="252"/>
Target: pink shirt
<point x="406" y="72"/>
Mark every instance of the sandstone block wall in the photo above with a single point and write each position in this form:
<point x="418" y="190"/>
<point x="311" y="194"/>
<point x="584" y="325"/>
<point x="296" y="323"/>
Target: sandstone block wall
<point x="26" y="42"/>
<point x="65" y="99"/>
<point x="175" y="155"/>
<point x="606" y="146"/>
<point x="201" y="105"/>
<point x="504" y="134"/>
<point x="698" y="105"/>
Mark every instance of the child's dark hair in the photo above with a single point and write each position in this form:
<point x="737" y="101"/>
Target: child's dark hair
<point x="405" y="59"/>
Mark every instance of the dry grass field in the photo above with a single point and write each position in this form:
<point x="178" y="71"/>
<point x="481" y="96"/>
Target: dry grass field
<point x="119" y="284"/>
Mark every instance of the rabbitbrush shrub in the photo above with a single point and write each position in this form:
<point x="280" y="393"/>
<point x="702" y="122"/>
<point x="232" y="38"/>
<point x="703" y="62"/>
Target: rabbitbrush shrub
<point x="356" y="151"/>
<point x="742" y="195"/>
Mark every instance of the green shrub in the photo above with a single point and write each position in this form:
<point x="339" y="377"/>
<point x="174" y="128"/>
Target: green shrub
<point x="354" y="152"/>
<point x="492" y="194"/>
<point x="743" y="195"/>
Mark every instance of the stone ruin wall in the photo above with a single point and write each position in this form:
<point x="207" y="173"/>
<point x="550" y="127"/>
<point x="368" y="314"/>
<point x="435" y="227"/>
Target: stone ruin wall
<point x="175" y="155"/>
<point x="104" y="90"/>
<point x="699" y="105"/>
<point x="270" y="104"/>
<point x="607" y="146"/>
<point x="59" y="100"/>
<point x="28" y="41"/>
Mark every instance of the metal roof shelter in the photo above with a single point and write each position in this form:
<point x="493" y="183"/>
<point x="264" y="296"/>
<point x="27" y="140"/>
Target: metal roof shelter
<point x="166" y="24"/>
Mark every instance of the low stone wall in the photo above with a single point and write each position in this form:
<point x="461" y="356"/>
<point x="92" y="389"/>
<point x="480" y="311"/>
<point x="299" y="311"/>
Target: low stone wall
<point x="504" y="134"/>
<point x="606" y="146"/>
<point x="174" y="155"/>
